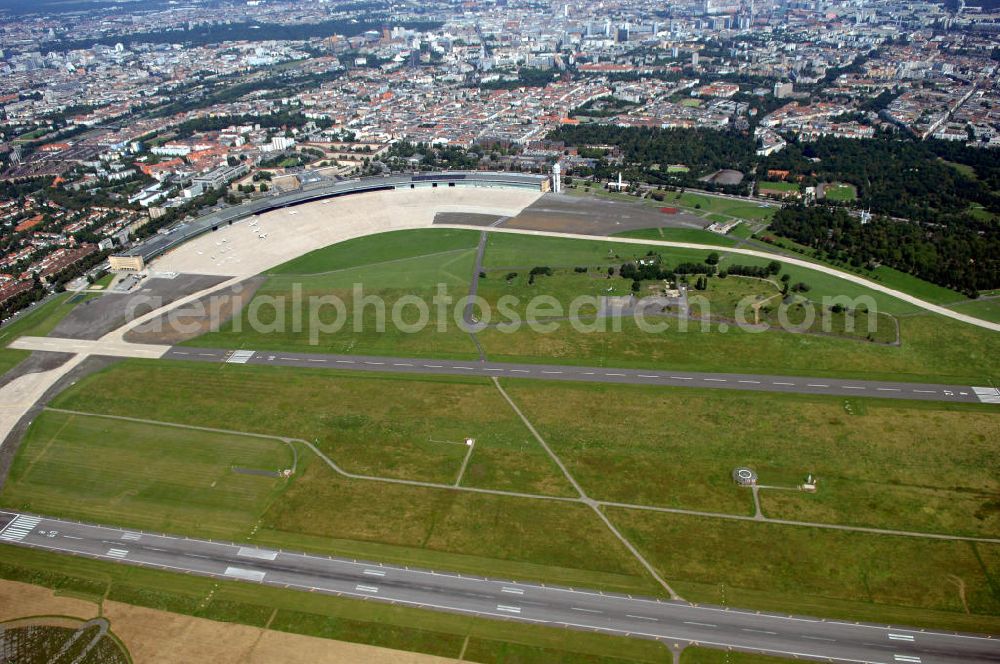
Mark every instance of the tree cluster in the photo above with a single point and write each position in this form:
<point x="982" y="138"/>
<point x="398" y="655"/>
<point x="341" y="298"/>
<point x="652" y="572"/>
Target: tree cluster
<point x="961" y="256"/>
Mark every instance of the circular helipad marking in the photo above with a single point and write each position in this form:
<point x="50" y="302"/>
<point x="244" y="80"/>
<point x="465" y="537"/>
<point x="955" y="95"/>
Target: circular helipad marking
<point x="745" y="476"/>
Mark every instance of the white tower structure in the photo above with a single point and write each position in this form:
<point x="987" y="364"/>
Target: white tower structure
<point x="557" y="178"/>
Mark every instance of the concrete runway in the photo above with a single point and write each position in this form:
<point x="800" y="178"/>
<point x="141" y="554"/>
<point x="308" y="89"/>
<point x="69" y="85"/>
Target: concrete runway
<point x="668" y="621"/>
<point x="663" y="378"/>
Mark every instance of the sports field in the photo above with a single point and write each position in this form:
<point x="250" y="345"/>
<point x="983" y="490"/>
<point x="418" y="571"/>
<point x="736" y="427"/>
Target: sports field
<point x="840" y="192"/>
<point x="777" y="186"/>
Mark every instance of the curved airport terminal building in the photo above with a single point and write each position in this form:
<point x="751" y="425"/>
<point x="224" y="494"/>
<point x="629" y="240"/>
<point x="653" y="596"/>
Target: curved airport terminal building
<point x="135" y="258"/>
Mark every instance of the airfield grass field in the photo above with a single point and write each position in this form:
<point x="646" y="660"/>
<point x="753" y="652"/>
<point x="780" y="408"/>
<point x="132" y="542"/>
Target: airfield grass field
<point x="987" y="309"/>
<point x="881" y="578"/>
<point x="932" y="348"/>
<point x="89" y="468"/>
<point x="313" y="614"/>
<point x="924" y="467"/>
<point x="901" y="465"/>
<point x="398" y="266"/>
<point x="382" y="425"/>
<point x="696" y="655"/>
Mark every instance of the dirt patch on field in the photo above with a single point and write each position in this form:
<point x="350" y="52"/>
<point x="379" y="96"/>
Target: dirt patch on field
<point x="594" y="216"/>
<point x="206" y="314"/>
<point x="160" y="637"/>
<point x="725" y="177"/>
<point x="169" y="638"/>
<point x="18" y="600"/>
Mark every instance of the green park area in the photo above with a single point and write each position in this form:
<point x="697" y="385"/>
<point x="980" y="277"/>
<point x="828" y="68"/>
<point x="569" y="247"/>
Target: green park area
<point x="932" y="348"/>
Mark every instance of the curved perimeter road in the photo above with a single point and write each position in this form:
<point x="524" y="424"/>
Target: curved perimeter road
<point x="826" y="269"/>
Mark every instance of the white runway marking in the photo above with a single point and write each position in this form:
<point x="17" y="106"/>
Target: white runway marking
<point x="513" y="591"/>
<point x="987" y="394"/>
<point x="246" y="574"/>
<point x="19" y="528"/>
<point x="901" y="637"/>
<point x="906" y="658"/>
<point x="374" y="572"/>
<point x="240" y="356"/>
<point x="117" y="553"/>
<point x="261" y="554"/>
<point x="508" y="609"/>
<point x="366" y="589"/>
<point x="131" y="536"/>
